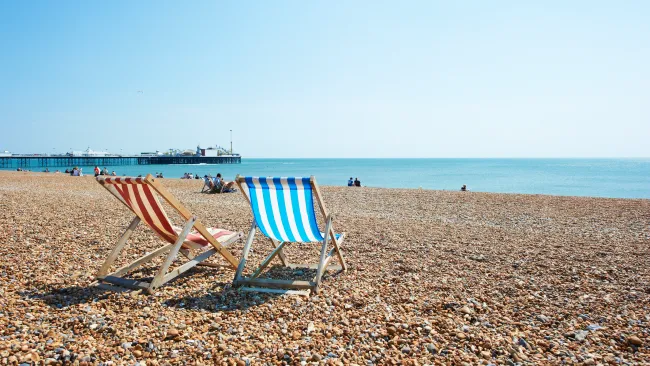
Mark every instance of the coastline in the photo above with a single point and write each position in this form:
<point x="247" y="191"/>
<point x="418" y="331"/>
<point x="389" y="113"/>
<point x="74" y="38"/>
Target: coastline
<point x="614" y="178"/>
<point x="434" y="275"/>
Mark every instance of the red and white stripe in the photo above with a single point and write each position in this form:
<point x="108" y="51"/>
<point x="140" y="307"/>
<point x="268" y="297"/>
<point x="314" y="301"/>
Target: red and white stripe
<point x="136" y="194"/>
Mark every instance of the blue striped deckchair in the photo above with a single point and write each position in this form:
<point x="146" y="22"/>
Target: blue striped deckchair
<point x="283" y="210"/>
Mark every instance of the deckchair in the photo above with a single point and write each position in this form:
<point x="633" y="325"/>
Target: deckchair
<point x="140" y="196"/>
<point x="206" y="184"/>
<point x="283" y="210"/>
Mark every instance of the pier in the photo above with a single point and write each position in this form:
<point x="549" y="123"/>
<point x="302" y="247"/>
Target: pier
<point x="41" y="161"/>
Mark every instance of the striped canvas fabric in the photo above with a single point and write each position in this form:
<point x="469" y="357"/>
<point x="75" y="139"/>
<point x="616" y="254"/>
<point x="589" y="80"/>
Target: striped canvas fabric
<point x="284" y="208"/>
<point x="138" y="196"/>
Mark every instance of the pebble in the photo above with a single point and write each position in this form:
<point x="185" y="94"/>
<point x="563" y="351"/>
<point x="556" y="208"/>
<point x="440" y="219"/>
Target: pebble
<point x="580" y="335"/>
<point x="173" y="333"/>
<point x="635" y="341"/>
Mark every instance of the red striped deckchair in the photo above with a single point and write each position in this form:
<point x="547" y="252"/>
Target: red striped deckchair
<point x="140" y="196"/>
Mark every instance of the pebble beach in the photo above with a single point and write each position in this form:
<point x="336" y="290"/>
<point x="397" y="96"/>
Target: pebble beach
<point x="435" y="277"/>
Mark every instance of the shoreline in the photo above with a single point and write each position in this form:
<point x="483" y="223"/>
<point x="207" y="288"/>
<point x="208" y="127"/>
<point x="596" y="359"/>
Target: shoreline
<point x="49" y="174"/>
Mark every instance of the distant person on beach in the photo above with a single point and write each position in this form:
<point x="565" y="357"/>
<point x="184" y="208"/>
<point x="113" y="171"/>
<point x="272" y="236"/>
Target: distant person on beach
<point x="208" y="182"/>
<point x="357" y="182"/>
<point x="113" y="173"/>
<point x="221" y="185"/>
<point x="161" y="175"/>
<point x="463" y="188"/>
<point x="67" y="171"/>
<point x="105" y="171"/>
<point x="96" y="171"/>
<point x="350" y="182"/>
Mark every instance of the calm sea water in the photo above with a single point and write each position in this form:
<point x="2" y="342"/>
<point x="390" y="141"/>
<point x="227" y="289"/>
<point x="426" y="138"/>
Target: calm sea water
<point x="624" y="178"/>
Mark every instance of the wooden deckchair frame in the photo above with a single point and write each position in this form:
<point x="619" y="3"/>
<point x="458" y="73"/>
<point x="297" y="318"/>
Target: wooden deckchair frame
<point x="171" y="250"/>
<point x="288" y="286"/>
<point x="205" y="184"/>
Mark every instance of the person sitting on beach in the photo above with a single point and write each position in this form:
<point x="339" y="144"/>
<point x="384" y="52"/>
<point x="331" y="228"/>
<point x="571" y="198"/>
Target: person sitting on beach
<point x="350" y="182"/>
<point x="357" y="182"/>
<point x="96" y="171"/>
<point x="208" y="182"/>
<point x="161" y="175"/>
<point x="67" y="171"/>
<point x="113" y="173"/>
<point x="463" y="188"/>
<point x="105" y="171"/>
<point x="222" y="186"/>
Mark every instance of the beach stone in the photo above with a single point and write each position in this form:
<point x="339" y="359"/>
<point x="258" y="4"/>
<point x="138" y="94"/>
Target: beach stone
<point x="634" y="340"/>
<point x="173" y="333"/>
<point x="315" y="357"/>
<point x="296" y="335"/>
<point x="580" y="335"/>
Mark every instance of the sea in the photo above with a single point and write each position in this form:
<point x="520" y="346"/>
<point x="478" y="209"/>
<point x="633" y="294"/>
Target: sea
<point x="616" y="178"/>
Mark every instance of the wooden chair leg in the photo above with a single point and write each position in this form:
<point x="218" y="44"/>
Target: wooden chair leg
<point x="268" y="259"/>
<point x="118" y="248"/>
<point x="323" y="251"/>
<point x="247" y="248"/>
<point x="157" y="281"/>
<point x="283" y="258"/>
<point x="337" y="246"/>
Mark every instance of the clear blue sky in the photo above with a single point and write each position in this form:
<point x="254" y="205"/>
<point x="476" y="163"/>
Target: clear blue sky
<point x="328" y="78"/>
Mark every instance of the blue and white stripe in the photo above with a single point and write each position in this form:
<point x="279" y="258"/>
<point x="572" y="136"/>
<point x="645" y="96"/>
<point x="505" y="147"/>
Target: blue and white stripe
<point x="284" y="208"/>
